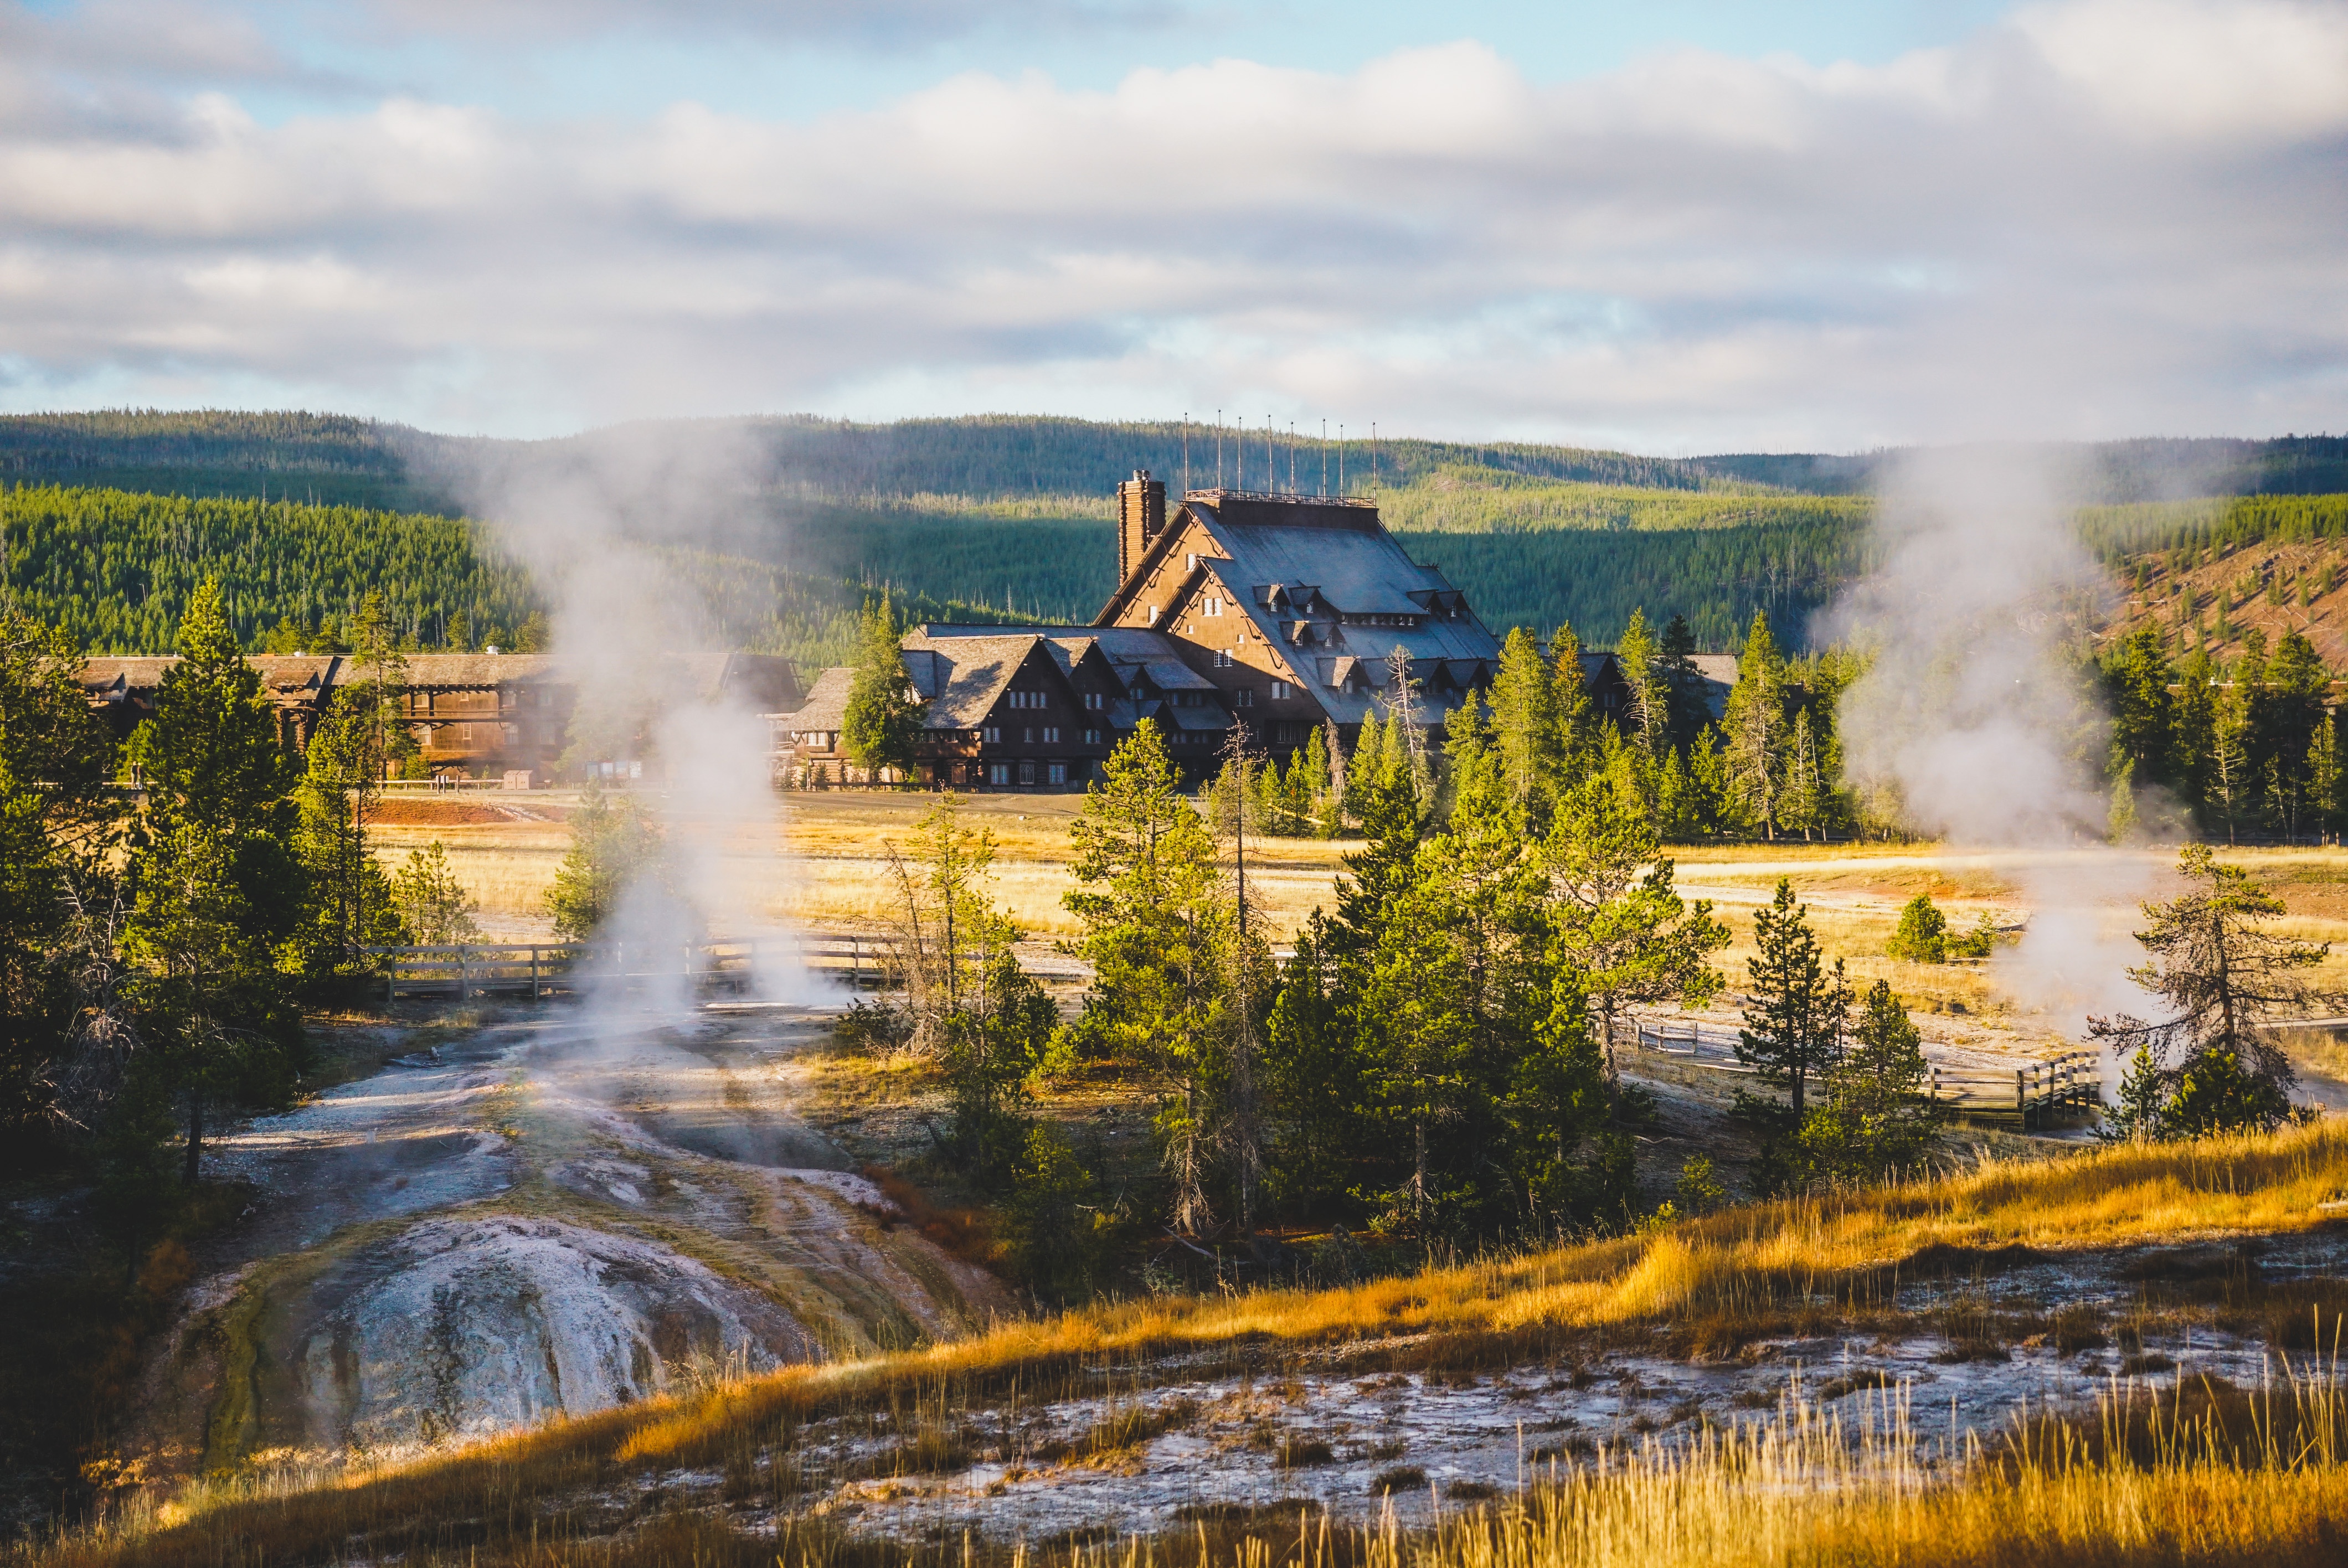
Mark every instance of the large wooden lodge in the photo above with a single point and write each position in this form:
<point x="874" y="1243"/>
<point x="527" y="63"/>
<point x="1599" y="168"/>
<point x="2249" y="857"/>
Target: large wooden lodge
<point x="1284" y="613"/>
<point x="474" y="716"/>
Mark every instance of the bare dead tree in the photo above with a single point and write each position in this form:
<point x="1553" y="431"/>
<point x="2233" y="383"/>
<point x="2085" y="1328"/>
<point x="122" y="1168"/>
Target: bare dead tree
<point x="2227" y="980"/>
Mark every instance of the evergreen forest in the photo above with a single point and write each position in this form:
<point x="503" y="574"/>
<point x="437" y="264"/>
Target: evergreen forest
<point x="1005" y="517"/>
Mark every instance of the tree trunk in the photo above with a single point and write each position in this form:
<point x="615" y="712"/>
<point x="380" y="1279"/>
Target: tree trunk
<point x="195" y="1136"/>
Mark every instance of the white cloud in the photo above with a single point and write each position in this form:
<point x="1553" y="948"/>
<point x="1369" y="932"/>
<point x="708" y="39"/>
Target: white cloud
<point x="2094" y="218"/>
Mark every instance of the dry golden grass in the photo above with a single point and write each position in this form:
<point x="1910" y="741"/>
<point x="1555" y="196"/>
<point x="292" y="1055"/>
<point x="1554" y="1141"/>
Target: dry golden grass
<point x="1743" y="1263"/>
<point x="834" y="845"/>
<point x="1795" y="1491"/>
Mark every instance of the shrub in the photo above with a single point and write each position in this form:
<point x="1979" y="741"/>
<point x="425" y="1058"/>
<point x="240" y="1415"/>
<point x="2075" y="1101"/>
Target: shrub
<point x="1922" y="936"/>
<point x="1977" y="943"/>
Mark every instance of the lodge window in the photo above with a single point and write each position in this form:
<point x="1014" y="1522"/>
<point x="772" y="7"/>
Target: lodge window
<point x="1153" y="615"/>
<point x="1051" y="735"/>
<point x="1027" y="737"/>
<point x="1212" y="606"/>
<point x="992" y="734"/>
<point x="1224" y="658"/>
<point x="1186" y="699"/>
<point x="1027" y="772"/>
<point x="1057" y="773"/>
<point x="1243" y="698"/>
<point x="1282" y="689"/>
<point x="998" y="773"/>
<point x="1092" y="737"/>
<point x="1095" y="701"/>
<point x="513" y="734"/>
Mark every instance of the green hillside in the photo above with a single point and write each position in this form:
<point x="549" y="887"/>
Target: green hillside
<point x="996" y="516"/>
<point x="116" y="571"/>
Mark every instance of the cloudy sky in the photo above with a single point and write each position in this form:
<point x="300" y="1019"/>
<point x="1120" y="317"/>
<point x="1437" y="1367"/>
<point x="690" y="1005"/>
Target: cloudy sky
<point x="1680" y="226"/>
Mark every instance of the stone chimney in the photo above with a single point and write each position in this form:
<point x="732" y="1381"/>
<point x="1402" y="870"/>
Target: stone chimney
<point x="1141" y="518"/>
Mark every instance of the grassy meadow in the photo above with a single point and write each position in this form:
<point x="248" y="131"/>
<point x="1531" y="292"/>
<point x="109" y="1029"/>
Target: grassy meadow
<point x="833" y="848"/>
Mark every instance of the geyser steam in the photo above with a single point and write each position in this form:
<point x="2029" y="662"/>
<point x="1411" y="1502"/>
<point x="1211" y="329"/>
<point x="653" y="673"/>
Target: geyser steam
<point x="1977" y="718"/>
<point x="597" y="520"/>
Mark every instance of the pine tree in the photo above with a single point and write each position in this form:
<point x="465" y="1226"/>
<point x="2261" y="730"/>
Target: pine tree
<point x="1615" y="920"/>
<point x="216" y="888"/>
<point x="2120" y="821"/>
<point x="58" y="826"/>
<point x="1755" y="729"/>
<point x="2323" y="779"/>
<point x="1367" y="767"/>
<point x="1156" y="929"/>
<point x="1571" y="703"/>
<point x="2225" y="978"/>
<point x="1647" y="712"/>
<point x="1709" y="786"/>
<point x="884" y="715"/>
<point x="1525" y="721"/>
<point x="362" y="738"/>
<point x="1314" y="1103"/>
<point x="1875" y="1117"/>
<point x="1454" y="958"/>
<point x="1314" y="795"/>
<point x="1249" y="963"/>
<point x="2194" y="732"/>
<point x="1394" y="822"/>
<point x="1795" y="1016"/>
<point x="433" y="904"/>
<point x="1683" y="684"/>
<point x="2137" y="677"/>
<point x="2231" y="789"/>
<point x="2137" y="1118"/>
<point x="612" y="846"/>
<point x="1801" y="804"/>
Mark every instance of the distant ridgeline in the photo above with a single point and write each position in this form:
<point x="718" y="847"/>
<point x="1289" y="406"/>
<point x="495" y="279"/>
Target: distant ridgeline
<point x="990" y="517"/>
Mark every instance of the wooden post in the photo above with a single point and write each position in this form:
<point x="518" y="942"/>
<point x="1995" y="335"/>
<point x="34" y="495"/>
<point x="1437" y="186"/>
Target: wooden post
<point x="2021" y="1099"/>
<point x="534" y="992"/>
<point x="464" y="974"/>
<point x="391" y="979"/>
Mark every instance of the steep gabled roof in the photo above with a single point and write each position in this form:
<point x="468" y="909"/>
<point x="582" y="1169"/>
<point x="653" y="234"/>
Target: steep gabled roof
<point x="825" y="707"/>
<point x="1718" y="673"/>
<point x="285" y="674"/>
<point x="1296" y="567"/>
<point x="452" y="671"/>
<point x="968" y="669"/>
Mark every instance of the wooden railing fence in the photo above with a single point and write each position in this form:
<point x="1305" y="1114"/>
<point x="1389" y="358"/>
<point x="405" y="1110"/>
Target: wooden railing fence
<point x="537" y="969"/>
<point x="2033" y="1094"/>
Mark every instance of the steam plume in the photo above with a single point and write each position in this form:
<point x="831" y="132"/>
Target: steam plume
<point x="1977" y="719"/>
<point x="596" y="521"/>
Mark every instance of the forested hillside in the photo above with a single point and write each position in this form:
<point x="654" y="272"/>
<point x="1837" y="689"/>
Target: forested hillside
<point x="116" y="571"/>
<point x="2209" y="574"/>
<point x="1012" y="514"/>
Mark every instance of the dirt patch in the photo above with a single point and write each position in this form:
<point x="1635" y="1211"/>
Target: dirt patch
<point x="400" y="811"/>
